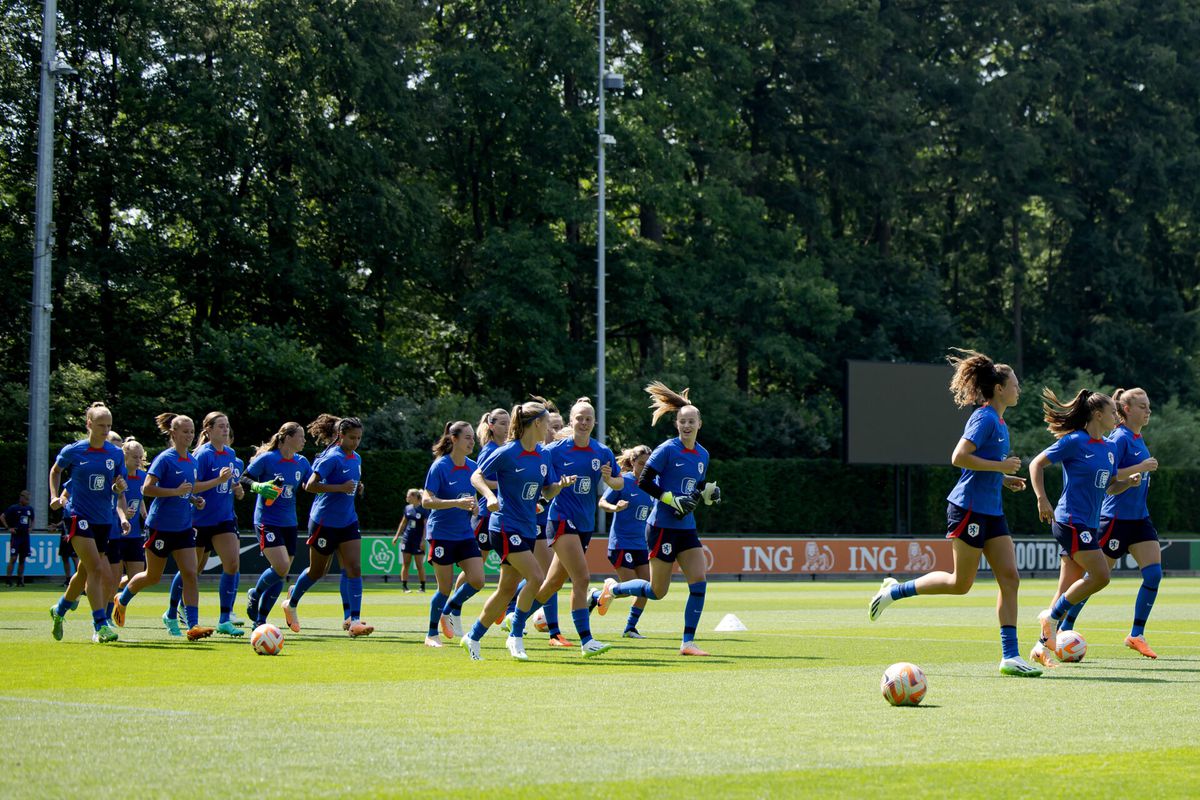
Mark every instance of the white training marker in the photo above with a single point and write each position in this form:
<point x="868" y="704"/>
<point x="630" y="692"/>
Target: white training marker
<point x="730" y="622"/>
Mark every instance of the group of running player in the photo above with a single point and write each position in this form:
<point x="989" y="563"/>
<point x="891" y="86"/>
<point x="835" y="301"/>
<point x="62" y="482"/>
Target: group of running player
<point x="537" y="487"/>
<point x="1101" y="515"/>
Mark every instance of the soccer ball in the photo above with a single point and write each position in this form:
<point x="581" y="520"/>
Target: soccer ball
<point x="1069" y="646"/>
<point x="539" y="620"/>
<point x="903" y="684"/>
<point x="267" y="640"/>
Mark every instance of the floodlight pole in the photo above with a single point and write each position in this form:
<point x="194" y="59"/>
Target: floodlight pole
<point x="38" y="452"/>
<point x="601" y="339"/>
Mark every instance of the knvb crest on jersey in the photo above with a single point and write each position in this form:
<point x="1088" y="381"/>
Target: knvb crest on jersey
<point x="595" y="465"/>
<point x="110" y="464"/>
<point x="700" y="467"/>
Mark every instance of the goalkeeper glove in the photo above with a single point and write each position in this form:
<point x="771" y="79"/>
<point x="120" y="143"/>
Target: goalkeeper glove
<point x="682" y="506"/>
<point x="268" y="491"/>
<point x="710" y="494"/>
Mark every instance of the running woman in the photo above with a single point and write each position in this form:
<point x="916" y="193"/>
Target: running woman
<point x="627" y="549"/>
<point x="450" y="497"/>
<point x="174" y="490"/>
<point x="1089" y="473"/>
<point x="18" y="519"/>
<point x="275" y="475"/>
<point x="95" y="466"/>
<point x="333" y="521"/>
<point x="126" y="556"/>
<point x="412" y="531"/>
<point x="675" y="476"/>
<point x="573" y="515"/>
<point x="521" y="470"/>
<point x="975" y="514"/>
<point x="215" y="523"/>
<point x="491" y="433"/>
<point x="1125" y="518"/>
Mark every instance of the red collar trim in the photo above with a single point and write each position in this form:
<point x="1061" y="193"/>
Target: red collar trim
<point x="351" y="455"/>
<point x="576" y="448"/>
<point x="691" y="450"/>
<point x="456" y="469"/>
<point x="533" y="452"/>
<point x="133" y="477"/>
<point x="291" y="460"/>
<point x="99" y="449"/>
<point x="1002" y="422"/>
<point x="1095" y="441"/>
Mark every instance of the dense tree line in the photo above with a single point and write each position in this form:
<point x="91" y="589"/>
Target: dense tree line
<point x="387" y="207"/>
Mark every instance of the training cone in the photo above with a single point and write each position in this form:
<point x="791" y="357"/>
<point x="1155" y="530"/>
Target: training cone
<point x="730" y="622"/>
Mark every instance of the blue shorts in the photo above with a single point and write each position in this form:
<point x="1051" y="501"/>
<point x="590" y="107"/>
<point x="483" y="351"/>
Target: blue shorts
<point x="667" y="543"/>
<point x="125" y="549"/>
<point x="277" y="536"/>
<point x="628" y="559"/>
<point x="973" y="528"/>
<point x="325" y="540"/>
<point x="414" y="545"/>
<point x="557" y="528"/>
<point x="505" y="542"/>
<point x="18" y="545"/>
<point x="482" y="536"/>
<point x="163" y="543"/>
<point x="455" y="552"/>
<point x="205" y="533"/>
<point x="86" y="529"/>
<point x="1118" y="534"/>
<point x="1072" y="538"/>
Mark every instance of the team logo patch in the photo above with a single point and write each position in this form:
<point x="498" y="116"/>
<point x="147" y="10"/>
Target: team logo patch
<point x="666" y="549"/>
<point x="297" y="476"/>
<point x="110" y="464"/>
<point x="1114" y="544"/>
<point x="1086" y="537"/>
<point x="483" y="538"/>
<point x="321" y="542"/>
<point x="973" y="529"/>
<point x="271" y="537"/>
<point x="83" y="524"/>
<point x="629" y="558"/>
<point x="595" y="465"/>
<point x="159" y="544"/>
<point x="643" y="513"/>
<point x="700" y="467"/>
<point x="543" y="470"/>
<point x="514" y="540"/>
<point x="438" y="552"/>
<point x="1111" y="459"/>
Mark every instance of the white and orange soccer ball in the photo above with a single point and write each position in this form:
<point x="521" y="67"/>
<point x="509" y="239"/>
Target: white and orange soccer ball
<point x="267" y="640"/>
<point x="903" y="684"/>
<point x="539" y="620"/>
<point x="1069" y="646"/>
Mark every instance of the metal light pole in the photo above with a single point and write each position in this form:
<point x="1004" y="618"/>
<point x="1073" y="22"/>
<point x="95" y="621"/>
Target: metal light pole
<point x="608" y="82"/>
<point x="37" y="467"/>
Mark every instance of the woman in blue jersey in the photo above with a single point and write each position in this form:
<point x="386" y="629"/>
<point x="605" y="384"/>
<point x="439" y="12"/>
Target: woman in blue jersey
<point x="174" y="490"/>
<point x="1089" y="473"/>
<point x="627" y="549"/>
<point x="126" y="556"/>
<point x="546" y="618"/>
<point x="522" y="471"/>
<point x="676" y="476"/>
<point x="95" y="467"/>
<point x="975" y="514"/>
<point x="333" y="521"/>
<point x="450" y="498"/>
<point x="411" y="536"/>
<point x="215" y="523"/>
<point x="491" y="433"/>
<point x="1125" y="524"/>
<point x="572" y="518"/>
<point x="275" y="475"/>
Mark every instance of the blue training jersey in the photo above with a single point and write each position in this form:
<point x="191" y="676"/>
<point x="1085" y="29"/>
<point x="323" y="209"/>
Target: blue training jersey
<point x="336" y="509"/>
<point x="679" y="470"/>
<point x="92" y="473"/>
<point x="628" y="529"/>
<point x="133" y="503"/>
<point x="218" y="501"/>
<point x="1129" y="449"/>
<point x="172" y="470"/>
<point x="520" y="475"/>
<point x="19" y="517"/>
<point x="980" y="491"/>
<point x="448" y="482"/>
<point x="577" y="503"/>
<point x="292" y="473"/>
<point x="1088" y="468"/>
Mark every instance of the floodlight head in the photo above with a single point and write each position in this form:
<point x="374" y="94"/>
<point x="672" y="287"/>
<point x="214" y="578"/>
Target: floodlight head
<point x="60" y="68"/>
<point x="614" y="81"/>
<point x="606" y="138"/>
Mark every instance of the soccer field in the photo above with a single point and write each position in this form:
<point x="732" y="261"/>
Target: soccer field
<point x="790" y="708"/>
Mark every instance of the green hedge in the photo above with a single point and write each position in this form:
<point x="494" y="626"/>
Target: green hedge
<point x="761" y="495"/>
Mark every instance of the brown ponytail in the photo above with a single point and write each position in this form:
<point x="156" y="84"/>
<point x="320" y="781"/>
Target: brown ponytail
<point x="1062" y="419"/>
<point x="445" y="442"/>
<point x="1121" y="398"/>
<point x="328" y="429"/>
<point x="665" y="400"/>
<point x="285" y="430"/>
<point x="627" y="457"/>
<point x="210" y="419"/>
<point x="523" y="415"/>
<point x="975" y="377"/>
<point x="484" y="432"/>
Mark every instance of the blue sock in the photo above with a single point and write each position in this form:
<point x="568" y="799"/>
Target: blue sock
<point x="193" y="615"/>
<point x="176" y="595"/>
<point x="269" y="579"/>
<point x="344" y="588"/>
<point x="519" y="620"/>
<point x="302" y="585"/>
<point x="551" y="607"/>
<point x="227" y="593"/>
<point x="455" y="603"/>
<point x="1068" y="621"/>
<point x="1061" y="605"/>
<point x="902" y="590"/>
<point x="477" y="631"/>
<point x="634" y="588"/>
<point x="266" y="600"/>
<point x="635" y="613"/>
<point x="127" y="597"/>
<point x="63" y="606"/>
<point x="693" y="609"/>
<point x="512" y="604"/>
<point x="580" y="618"/>
<point x="98" y="619"/>
<point x="1008" y="642"/>
<point x="1151" y="578"/>
<point x="108" y="610"/>
<point x="436" y="605"/>
<point x="355" y="587"/>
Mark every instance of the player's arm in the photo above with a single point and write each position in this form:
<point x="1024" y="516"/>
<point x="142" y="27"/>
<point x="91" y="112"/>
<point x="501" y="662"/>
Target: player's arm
<point x="485" y="490"/>
<point x="203" y="486"/>
<point x="1037" y="478"/>
<point x="1118" y="485"/>
<point x="314" y="485"/>
<point x="964" y="457"/>
<point x="682" y="505"/>
<point x="152" y="489"/>
<point x="1149" y="465"/>
<point x="400" y="530"/>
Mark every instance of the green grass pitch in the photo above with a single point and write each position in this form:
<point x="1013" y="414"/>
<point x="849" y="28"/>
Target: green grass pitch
<point x="790" y="708"/>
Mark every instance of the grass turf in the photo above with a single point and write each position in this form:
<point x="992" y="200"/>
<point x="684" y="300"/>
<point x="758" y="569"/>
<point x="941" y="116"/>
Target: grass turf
<point x="789" y="708"/>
